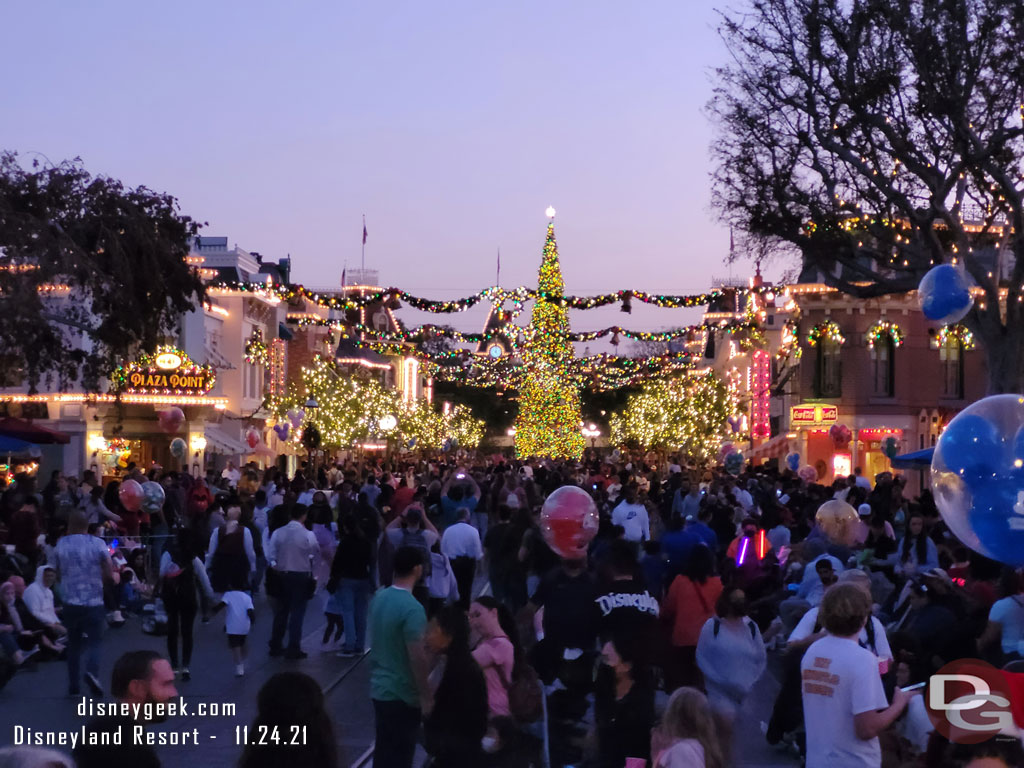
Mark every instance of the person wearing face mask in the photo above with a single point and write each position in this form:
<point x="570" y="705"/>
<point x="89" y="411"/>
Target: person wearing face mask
<point x="623" y="703"/>
<point x="456" y="725"/>
<point x="494" y="652"/>
<point x="139" y="678"/>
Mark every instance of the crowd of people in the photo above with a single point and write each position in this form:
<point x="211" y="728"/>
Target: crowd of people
<point x="489" y="649"/>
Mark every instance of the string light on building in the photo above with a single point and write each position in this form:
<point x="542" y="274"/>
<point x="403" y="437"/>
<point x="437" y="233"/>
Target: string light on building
<point x="760" y="388"/>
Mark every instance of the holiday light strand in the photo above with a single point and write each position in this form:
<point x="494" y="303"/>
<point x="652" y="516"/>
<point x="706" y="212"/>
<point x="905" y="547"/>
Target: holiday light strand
<point x="883" y="330"/>
<point x="827" y="330"/>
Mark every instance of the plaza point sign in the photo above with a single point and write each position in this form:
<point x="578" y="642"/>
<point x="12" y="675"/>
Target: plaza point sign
<point x="168" y="371"/>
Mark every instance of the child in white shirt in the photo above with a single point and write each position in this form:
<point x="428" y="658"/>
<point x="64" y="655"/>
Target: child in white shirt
<point x="237" y="623"/>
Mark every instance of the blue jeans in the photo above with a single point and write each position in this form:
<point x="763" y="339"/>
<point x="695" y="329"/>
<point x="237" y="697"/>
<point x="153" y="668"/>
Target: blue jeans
<point x="354" y="595"/>
<point x="290" y="610"/>
<point x="82" y="620"/>
<point x="397" y="725"/>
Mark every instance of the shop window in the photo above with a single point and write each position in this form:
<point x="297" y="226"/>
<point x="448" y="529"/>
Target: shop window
<point x="828" y="370"/>
<point x="951" y="355"/>
<point x="884" y="362"/>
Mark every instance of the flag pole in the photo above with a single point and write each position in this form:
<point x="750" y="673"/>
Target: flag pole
<point x="363" y="255"/>
<point x="497" y="277"/>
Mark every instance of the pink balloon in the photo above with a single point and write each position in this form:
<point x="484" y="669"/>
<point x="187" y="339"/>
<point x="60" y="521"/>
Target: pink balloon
<point x="171" y="420"/>
<point x="569" y="522"/>
<point x="130" y="494"/>
<point x="807" y="473"/>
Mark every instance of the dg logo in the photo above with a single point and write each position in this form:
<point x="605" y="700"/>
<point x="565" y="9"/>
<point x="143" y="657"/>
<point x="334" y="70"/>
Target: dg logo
<point x="970" y="701"/>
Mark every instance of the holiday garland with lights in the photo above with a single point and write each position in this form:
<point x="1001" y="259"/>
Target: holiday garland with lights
<point x="256" y="351"/>
<point x="493" y="294"/>
<point x="689" y="414"/>
<point x="958" y="333"/>
<point x="883" y="330"/>
<point x="549" y="400"/>
<point x="826" y="330"/>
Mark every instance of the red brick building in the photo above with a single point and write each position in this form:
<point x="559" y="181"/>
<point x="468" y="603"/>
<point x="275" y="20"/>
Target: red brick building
<point x="887" y="369"/>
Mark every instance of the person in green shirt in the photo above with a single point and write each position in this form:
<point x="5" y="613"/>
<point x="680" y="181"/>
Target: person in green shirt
<point x="398" y="663"/>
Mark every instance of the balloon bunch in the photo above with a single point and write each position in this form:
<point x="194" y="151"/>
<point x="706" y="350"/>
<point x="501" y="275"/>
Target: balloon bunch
<point x="569" y="521"/>
<point x="734" y="463"/>
<point x="793" y="461"/>
<point x="891" y="446"/>
<point x="171" y="420"/>
<point x="944" y="294"/>
<point x="978" y="476"/>
<point x="838" y="520"/>
<point x="841" y="435"/>
<point x="178" y="448"/>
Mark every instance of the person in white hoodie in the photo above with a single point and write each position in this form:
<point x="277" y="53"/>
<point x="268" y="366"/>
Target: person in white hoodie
<point x="38" y="598"/>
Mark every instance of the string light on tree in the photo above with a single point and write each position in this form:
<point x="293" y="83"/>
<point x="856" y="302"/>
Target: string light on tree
<point x="688" y="414"/>
<point x="549" y="408"/>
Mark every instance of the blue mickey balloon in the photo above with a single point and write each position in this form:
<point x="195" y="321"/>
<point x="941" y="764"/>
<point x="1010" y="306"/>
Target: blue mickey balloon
<point x="945" y="294"/>
<point x="793" y="461"/>
<point x="978" y="480"/>
<point x="972" y="448"/>
<point x="734" y="463"/>
<point x="997" y="519"/>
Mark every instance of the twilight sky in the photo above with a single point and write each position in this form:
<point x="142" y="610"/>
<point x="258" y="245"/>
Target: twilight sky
<point x="451" y="125"/>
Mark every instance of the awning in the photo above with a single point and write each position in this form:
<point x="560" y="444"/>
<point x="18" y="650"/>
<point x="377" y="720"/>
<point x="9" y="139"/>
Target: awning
<point x="12" y="445"/>
<point x="31" y="433"/>
<point x="219" y="442"/>
<point x="777" y="447"/>
<point x="284" y="333"/>
<point x="217" y="360"/>
<point x="915" y="460"/>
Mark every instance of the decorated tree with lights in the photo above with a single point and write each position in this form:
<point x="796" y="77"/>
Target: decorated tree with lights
<point x="687" y="414"/>
<point x="549" y="400"/>
<point x="352" y="409"/>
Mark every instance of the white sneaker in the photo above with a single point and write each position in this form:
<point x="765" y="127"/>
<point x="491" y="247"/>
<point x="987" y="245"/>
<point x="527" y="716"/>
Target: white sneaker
<point x="239" y="670"/>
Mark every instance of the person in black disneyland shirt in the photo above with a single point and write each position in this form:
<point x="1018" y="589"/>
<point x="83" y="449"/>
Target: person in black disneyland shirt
<point x="623" y="603"/>
<point x="139" y="677"/>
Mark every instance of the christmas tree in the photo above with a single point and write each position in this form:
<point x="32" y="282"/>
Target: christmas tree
<point x="549" y="398"/>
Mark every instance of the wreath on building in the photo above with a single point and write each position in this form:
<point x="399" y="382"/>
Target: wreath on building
<point x="955" y="333"/>
<point x="883" y="330"/>
<point x="256" y="352"/>
<point x="828" y="330"/>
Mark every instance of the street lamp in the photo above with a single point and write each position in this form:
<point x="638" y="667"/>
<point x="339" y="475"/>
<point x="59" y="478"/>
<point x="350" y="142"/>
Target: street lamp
<point x="312" y="404"/>
<point x="592" y="432"/>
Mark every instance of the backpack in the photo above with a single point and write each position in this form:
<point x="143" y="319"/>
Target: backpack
<point x="750" y="625"/>
<point x="418" y="540"/>
<point x="525" y="697"/>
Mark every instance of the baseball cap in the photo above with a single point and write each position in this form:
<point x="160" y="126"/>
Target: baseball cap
<point x="864" y="510"/>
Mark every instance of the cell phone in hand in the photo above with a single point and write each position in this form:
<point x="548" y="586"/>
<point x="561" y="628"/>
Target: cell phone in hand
<point x="914" y="687"/>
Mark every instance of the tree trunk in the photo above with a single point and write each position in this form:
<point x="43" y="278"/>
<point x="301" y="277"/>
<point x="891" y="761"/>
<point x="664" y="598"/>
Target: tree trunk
<point x="1004" y="352"/>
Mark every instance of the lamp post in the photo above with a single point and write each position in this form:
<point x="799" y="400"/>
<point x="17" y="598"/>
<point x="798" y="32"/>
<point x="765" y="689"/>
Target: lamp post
<point x="311" y="407"/>
<point x="593" y="433"/>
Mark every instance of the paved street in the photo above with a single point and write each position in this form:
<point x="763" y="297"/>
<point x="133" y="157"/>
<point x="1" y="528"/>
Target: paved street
<point x="36" y="699"/>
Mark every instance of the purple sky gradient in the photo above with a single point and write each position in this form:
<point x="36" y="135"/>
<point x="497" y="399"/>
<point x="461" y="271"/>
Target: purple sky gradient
<point x="452" y="126"/>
